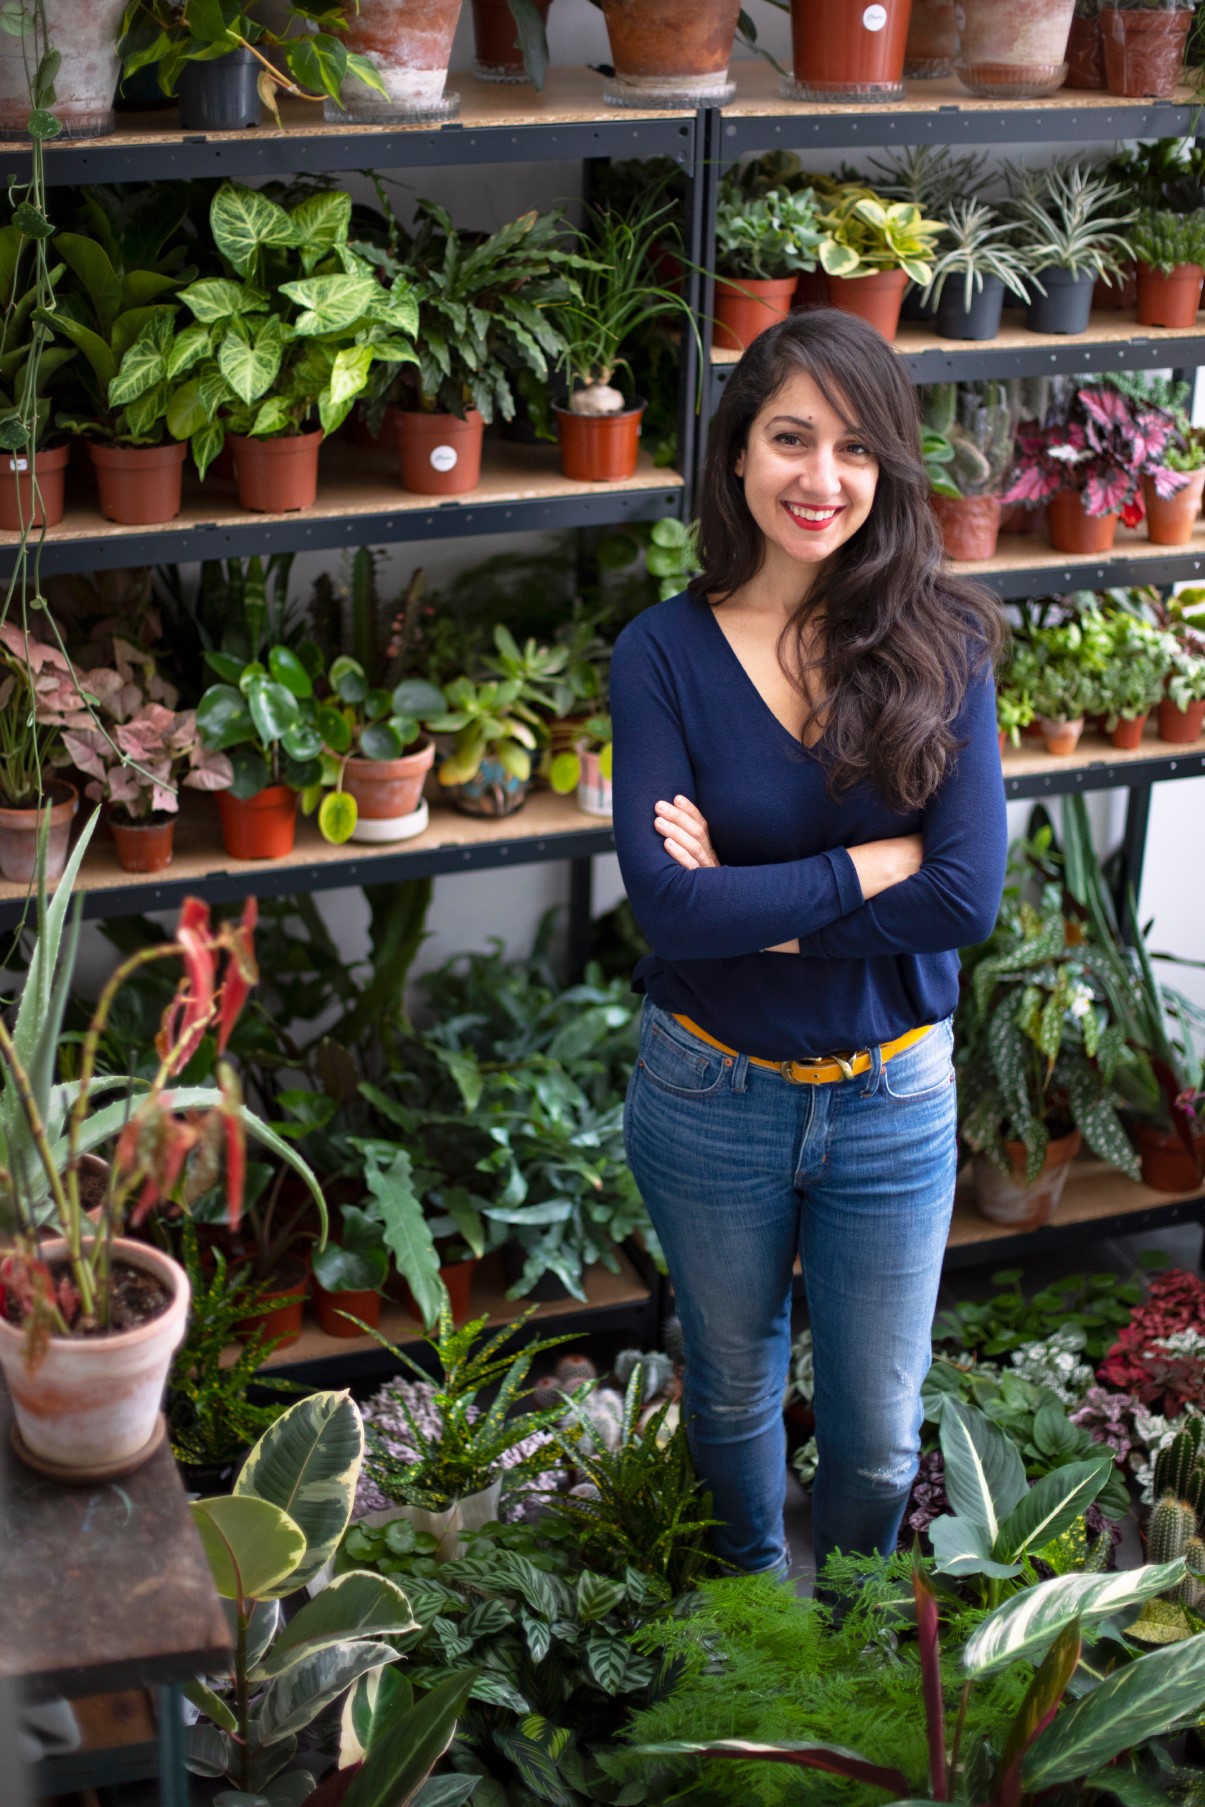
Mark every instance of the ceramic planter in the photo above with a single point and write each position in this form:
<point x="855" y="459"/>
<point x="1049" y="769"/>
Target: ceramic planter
<point x="276" y="476"/>
<point x="283" y="1301"/>
<point x="389" y="794"/>
<point x="1120" y="293"/>
<point x="1009" y="1199"/>
<point x="1144" y="51"/>
<point x="670" y="53"/>
<point x="1069" y="529"/>
<point x="260" y="827"/>
<point x="496" y="41"/>
<point x="1085" y="55"/>
<point x="85" y="33"/>
<point x="746" y="306"/>
<point x="492" y="791"/>
<point x="365" y="1305"/>
<point x="1166" y="1164"/>
<point x="1128" y="733"/>
<point x="1169" y="298"/>
<point x="599" y="448"/>
<point x="139" y="484"/>
<point x="1066" y="307"/>
<point x="90" y="1407"/>
<point x="850" y="52"/>
<point x="1014" y="49"/>
<point x="19" y="834"/>
<point x="1170" y="521"/>
<point x="1181" y="727"/>
<point x="876" y="298"/>
<point x="468" y="1514"/>
<point x="17" y="501"/>
<point x="981" y="320"/>
<point x="144" y="846"/>
<point x="932" y="42"/>
<point x="410" y="42"/>
<point x="440" y="454"/>
<point x="970" y="525"/>
<point x="593" y="790"/>
<point x="1060" y="736"/>
<point x="221" y="96"/>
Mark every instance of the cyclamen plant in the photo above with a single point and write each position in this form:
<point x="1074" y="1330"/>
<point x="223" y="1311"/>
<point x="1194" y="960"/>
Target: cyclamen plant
<point x="1103" y="447"/>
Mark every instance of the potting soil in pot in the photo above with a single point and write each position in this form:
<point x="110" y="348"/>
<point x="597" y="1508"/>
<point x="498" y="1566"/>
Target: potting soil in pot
<point x="138" y="1296"/>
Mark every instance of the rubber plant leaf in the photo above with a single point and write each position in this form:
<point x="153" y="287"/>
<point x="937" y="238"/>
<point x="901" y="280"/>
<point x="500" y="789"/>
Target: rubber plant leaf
<point x="307" y="1463"/>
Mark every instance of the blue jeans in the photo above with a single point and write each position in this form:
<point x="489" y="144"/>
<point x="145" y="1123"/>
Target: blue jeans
<point x="740" y="1170"/>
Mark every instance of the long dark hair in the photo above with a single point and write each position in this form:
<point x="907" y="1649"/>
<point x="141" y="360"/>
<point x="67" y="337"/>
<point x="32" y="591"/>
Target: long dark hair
<point x="901" y="637"/>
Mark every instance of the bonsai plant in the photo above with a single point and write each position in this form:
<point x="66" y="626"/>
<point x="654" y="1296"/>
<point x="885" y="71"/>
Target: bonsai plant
<point x="1069" y="238"/>
<point x="762" y="244"/>
<point x="977" y="423"/>
<point x="972" y="271"/>
<point x="1144" y="42"/>
<point x="488" y="770"/>
<point x="871" y="249"/>
<point x="135" y="768"/>
<point x="263" y="715"/>
<point x="377" y="786"/>
<point x="1170" y="248"/>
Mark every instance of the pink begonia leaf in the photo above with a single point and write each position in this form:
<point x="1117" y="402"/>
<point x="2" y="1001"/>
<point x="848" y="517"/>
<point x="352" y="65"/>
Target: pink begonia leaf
<point x="1106" y="492"/>
<point x="1106" y="406"/>
<point x="1168" y="483"/>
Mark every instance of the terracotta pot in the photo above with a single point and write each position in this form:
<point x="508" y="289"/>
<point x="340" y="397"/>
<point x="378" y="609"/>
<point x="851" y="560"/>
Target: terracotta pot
<point x="1009" y="1199"/>
<point x="279" y="1319"/>
<point x="496" y="41"/>
<point x="410" y="42"/>
<point x="1181" y="727"/>
<point x="327" y="1307"/>
<point x="1144" y="51"/>
<point x="1014" y="49"/>
<point x="91" y="1402"/>
<point x="811" y="289"/>
<point x="1069" y="529"/>
<point x="746" y="306"/>
<point x="670" y="52"/>
<point x="593" y="790"/>
<point x="17" y="501"/>
<point x="1166" y="1164"/>
<point x="1170" y="521"/>
<point x="850" y="52"/>
<point x="932" y="40"/>
<point x="389" y="793"/>
<point x="1085" y="55"/>
<point x="1169" y="299"/>
<point x="492" y="792"/>
<point x="1128" y="732"/>
<point x="457" y="1277"/>
<point x="361" y="434"/>
<point x="970" y="525"/>
<point x="1121" y="292"/>
<point x="276" y="476"/>
<point x="440" y="454"/>
<point x="876" y="298"/>
<point x="1059" y="736"/>
<point x="19" y="834"/>
<point x="599" y="448"/>
<point x="139" y="484"/>
<point x="142" y="846"/>
<point x="84" y="32"/>
<point x="260" y="827"/>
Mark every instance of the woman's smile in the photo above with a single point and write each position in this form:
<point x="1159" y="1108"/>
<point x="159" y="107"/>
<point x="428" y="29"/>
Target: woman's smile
<point x="813" y="520"/>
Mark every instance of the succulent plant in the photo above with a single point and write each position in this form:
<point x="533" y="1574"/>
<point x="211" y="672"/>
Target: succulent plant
<point x="1163" y="239"/>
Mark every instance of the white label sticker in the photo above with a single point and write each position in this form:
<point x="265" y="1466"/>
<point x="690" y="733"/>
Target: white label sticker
<point x="874" y="18"/>
<point x="18" y="464"/>
<point x="443" y="457"/>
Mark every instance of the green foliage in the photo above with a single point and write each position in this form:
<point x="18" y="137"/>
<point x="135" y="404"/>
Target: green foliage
<point x="264" y="714"/>
<point x="772" y="235"/>
<point x="1066" y="220"/>
<point x="1097" y="1305"/>
<point x="1164" y="239"/>
<point x="27" y="362"/>
<point x="490" y="720"/>
<point x="977" y="422"/>
<point x="865" y="233"/>
<point x="974" y="246"/>
<point x="617" y="294"/>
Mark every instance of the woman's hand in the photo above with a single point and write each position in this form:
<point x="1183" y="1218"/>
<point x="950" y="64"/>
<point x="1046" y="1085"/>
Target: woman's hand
<point x="684" y="830"/>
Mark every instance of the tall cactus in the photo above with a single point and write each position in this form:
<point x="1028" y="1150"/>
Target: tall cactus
<point x="1175" y="1464"/>
<point x="1173" y="1526"/>
<point x="1178" y="1517"/>
<point x="1192" y="1588"/>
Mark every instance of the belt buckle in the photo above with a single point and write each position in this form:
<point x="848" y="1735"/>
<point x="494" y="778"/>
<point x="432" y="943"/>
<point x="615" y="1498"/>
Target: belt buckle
<point x="819" y="1060"/>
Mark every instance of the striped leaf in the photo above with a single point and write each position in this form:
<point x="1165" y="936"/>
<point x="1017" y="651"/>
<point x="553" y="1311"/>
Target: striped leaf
<point x="984" y="1473"/>
<point x="1051" y="1506"/>
<point x="1150" y="1696"/>
<point x="252" y="1545"/>
<point x="356" y="1605"/>
<point x="307" y="1463"/>
<point x="1031" y="1620"/>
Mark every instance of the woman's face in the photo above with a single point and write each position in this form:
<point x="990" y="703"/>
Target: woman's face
<point x="809" y="480"/>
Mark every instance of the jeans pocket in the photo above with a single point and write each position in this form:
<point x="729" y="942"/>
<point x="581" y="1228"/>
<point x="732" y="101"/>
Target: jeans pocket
<point x="924" y="1070"/>
<point x="675" y="1060"/>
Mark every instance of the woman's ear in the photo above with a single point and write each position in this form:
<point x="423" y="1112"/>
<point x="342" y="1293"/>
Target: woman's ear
<point x="738" y="469"/>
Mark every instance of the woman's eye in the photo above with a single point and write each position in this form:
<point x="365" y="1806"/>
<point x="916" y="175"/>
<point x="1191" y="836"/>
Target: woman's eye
<point x="787" y="439"/>
<point x="857" y="450"/>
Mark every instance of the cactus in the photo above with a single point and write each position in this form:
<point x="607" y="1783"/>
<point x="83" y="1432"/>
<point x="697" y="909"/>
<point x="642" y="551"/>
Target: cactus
<point x="941" y="406"/>
<point x="1192" y="1590"/>
<point x="365" y="606"/>
<point x="1173" y="1524"/>
<point x="1175" y="1463"/>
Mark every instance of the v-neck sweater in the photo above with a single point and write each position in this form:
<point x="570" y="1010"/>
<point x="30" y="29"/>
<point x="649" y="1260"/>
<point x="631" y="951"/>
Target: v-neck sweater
<point x="688" y="719"/>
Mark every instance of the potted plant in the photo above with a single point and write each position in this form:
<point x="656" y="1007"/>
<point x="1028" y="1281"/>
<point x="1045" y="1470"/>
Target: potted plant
<point x="488" y="770"/>
<point x="510" y="40"/>
<point x="263" y="715"/>
<point x="1085" y="48"/>
<point x="84" y="43"/>
<point x="1171" y="519"/>
<point x="1170" y="248"/>
<point x="848" y="53"/>
<point x="1182" y="707"/>
<point x="1014" y="712"/>
<point x="135" y="768"/>
<point x="586" y="768"/>
<point x="41" y="694"/>
<point x="1144" y="44"/>
<point x="1069" y="240"/>
<point x="410" y="42"/>
<point x="761" y="245"/>
<point x="871" y="250"/>
<point x="970" y="429"/>
<point x="982" y="268"/>
<point x="670" y="53"/>
<point x="1133" y="678"/>
<point x="1011" y="50"/>
<point x="377" y="792"/>
<point x="33" y="464"/>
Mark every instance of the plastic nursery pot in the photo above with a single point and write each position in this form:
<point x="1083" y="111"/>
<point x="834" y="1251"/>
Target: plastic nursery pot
<point x="283" y="1304"/>
<point x="457" y="1277"/>
<point x="492" y="791"/>
<point x="221" y="96"/>
<point x="1085" y="55"/>
<point x="389" y="794"/>
<point x="17" y="501"/>
<point x="746" y="306"/>
<point x="970" y="525"/>
<point x="1128" y="733"/>
<point x="139" y="484"/>
<point x="276" y="476"/>
<point x="599" y="448"/>
<point x="876" y="298"/>
<point x="440" y="454"/>
<point x="670" y="53"/>
<point x="1009" y="1199"/>
<point x="851" y="52"/>
<point x="1165" y="1163"/>
<point x="932" y="42"/>
<point x="1069" y="529"/>
<point x="593" y="795"/>
<point x="981" y="320"/>
<point x="1180" y="727"/>
<point x="261" y="827"/>
<point x="1014" y="49"/>
<point x="1169" y="298"/>
<point x="144" y="846"/>
<point x="89" y="1408"/>
<point x="328" y="1306"/>
<point x="1144" y="50"/>
<point x="85" y="33"/>
<point x="410" y="41"/>
<point x="1121" y="292"/>
<point x="1170" y="521"/>
<point x="1060" y="737"/>
<point x="496" y="40"/>
<point x="1066" y="307"/>
<point x="19" y="834"/>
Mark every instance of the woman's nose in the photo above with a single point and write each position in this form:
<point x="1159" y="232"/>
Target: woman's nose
<point x="820" y="476"/>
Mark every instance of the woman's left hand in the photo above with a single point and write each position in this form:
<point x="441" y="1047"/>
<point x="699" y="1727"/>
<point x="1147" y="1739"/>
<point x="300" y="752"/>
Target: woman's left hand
<point x="688" y="841"/>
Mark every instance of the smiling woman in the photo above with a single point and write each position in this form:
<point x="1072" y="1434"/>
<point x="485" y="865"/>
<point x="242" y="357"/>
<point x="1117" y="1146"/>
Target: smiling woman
<point x="810" y="822"/>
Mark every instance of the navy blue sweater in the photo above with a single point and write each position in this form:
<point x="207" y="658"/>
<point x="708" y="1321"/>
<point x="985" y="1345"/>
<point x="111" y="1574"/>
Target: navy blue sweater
<point x="688" y="719"/>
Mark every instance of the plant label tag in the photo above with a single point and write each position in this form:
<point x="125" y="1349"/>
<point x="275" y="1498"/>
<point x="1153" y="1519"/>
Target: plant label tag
<point x="18" y="464"/>
<point x="874" y="18"/>
<point x="443" y="457"/>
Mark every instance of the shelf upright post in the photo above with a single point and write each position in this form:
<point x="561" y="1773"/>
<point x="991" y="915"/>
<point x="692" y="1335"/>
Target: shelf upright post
<point x="1131" y="855"/>
<point x="707" y="185"/>
<point x="581" y="924"/>
<point x="692" y="377"/>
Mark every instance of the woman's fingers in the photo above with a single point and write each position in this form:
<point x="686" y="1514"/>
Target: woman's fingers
<point x="682" y="835"/>
<point x="678" y="852"/>
<point x="682" y="820"/>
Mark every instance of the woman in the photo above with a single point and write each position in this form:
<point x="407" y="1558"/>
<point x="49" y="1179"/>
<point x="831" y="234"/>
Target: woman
<point x="810" y="822"/>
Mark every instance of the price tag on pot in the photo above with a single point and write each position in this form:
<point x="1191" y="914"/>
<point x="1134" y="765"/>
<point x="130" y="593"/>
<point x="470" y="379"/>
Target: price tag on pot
<point x="443" y="457"/>
<point x="18" y="464"/>
<point x="874" y="18"/>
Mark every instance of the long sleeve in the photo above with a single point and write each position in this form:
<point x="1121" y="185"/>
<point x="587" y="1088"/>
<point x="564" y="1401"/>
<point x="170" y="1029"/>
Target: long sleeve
<point x="716" y="912"/>
<point x="953" y="900"/>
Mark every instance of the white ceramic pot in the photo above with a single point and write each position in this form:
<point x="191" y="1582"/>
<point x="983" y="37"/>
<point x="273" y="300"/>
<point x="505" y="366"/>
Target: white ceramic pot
<point x="468" y="1514"/>
<point x="91" y="1402"/>
<point x="84" y="32"/>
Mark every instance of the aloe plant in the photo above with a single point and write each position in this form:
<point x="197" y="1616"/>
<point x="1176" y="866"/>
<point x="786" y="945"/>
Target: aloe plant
<point x="1069" y="217"/>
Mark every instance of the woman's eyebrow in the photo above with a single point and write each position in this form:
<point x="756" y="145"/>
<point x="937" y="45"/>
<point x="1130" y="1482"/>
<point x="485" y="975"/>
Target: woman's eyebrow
<point x="794" y="420"/>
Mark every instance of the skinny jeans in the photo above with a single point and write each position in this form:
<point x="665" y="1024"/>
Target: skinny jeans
<point x="741" y="1171"/>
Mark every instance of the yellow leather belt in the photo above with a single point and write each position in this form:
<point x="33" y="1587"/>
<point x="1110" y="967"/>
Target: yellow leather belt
<point x="814" y="1072"/>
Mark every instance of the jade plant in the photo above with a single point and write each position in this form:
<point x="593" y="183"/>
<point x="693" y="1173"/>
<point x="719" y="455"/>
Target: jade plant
<point x="774" y="235"/>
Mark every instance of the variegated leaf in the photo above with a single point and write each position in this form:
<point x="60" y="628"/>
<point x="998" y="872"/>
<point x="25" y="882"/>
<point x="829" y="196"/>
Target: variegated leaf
<point x="307" y="1463"/>
<point x="1032" y="1619"/>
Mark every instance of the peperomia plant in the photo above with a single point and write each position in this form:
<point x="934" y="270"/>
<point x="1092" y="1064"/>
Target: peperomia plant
<point x="359" y="720"/>
<point x="865" y="233"/>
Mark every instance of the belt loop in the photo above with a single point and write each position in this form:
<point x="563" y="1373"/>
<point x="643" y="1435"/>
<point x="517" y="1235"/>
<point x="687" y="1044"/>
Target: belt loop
<point x="876" y="1068"/>
<point x="740" y="1074"/>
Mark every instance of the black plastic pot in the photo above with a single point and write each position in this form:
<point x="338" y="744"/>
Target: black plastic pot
<point x="1066" y="305"/>
<point x="221" y="96"/>
<point x="981" y="320"/>
<point x="915" y="307"/>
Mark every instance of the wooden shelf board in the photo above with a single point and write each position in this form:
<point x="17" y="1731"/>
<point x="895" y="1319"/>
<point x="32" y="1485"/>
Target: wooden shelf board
<point x="1094" y="1194"/>
<point x="757" y="96"/>
<point x="1094" y="749"/>
<point x="1025" y="551"/>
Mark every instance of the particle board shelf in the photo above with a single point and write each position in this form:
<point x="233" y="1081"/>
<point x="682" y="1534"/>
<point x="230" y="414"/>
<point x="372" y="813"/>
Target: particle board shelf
<point x="1024" y="565"/>
<point x="1097" y="765"/>
<point x="360" y="501"/>
<point x="1097" y="1201"/>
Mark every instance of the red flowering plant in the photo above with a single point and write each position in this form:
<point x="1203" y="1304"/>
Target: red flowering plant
<point x="1102" y="442"/>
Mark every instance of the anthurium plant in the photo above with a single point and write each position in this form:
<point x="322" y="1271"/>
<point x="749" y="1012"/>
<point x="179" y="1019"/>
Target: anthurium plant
<point x="1102" y="443"/>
